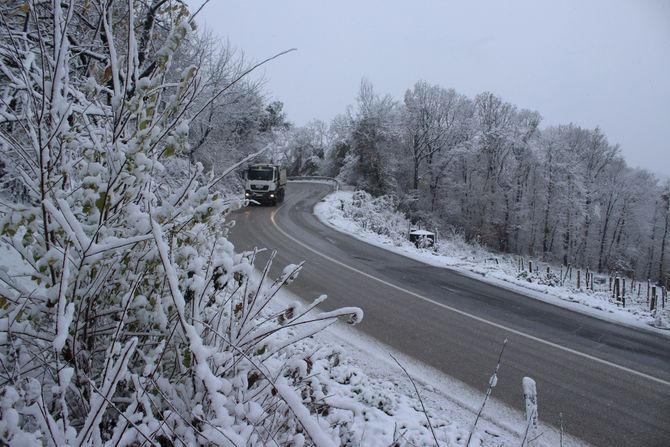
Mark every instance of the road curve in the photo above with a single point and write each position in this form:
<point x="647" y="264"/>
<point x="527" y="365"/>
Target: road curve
<point x="611" y="383"/>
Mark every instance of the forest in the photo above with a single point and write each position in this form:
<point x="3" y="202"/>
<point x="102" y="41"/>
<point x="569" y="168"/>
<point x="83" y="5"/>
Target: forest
<point x="487" y="169"/>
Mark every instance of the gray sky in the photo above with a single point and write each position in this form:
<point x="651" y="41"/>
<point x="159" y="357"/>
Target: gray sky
<point x="592" y="63"/>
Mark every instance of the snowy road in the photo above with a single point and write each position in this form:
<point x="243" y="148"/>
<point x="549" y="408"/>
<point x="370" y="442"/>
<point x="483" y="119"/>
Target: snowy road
<point x="611" y="383"/>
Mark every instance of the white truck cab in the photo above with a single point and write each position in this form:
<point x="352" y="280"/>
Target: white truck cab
<point x="265" y="183"/>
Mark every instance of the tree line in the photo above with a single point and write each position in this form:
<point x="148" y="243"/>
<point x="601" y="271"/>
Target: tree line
<point x="486" y="168"/>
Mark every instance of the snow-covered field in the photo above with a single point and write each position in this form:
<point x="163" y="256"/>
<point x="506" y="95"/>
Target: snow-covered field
<point x="336" y="211"/>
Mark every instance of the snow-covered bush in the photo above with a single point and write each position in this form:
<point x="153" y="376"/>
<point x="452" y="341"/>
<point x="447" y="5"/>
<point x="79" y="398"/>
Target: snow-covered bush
<point x="376" y="214"/>
<point x="546" y="278"/>
<point x="135" y="322"/>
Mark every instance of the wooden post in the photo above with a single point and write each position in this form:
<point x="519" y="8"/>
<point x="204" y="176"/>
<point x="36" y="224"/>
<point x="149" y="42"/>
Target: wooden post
<point x="591" y="281"/>
<point x="652" y="304"/>
<point x="610" y="278"/>
<point x="530" y="266"/>
<point x="664" y="293"/>
<point x="648" y="286"/>
<point x="588" y="278"/>
<point x="623" y="292"/>
<point x="616" y="289"/>
<point x="579" y="279"/>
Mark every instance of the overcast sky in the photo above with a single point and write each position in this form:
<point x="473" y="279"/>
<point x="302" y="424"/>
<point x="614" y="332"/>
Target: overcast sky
<point x="594" y="63"/>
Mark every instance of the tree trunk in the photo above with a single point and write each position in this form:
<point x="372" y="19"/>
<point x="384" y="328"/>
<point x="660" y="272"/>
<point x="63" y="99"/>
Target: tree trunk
<point x="652" y="245"/>
<point x="608" y="214"/>
<point x="663" y="241"/>
<point x="547" y="209"/>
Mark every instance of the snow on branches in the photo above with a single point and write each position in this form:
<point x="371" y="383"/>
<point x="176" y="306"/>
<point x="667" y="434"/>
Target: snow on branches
<point x="135" y="321"/>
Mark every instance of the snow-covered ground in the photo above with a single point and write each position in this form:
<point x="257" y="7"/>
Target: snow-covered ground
<point x="501" y="270"/>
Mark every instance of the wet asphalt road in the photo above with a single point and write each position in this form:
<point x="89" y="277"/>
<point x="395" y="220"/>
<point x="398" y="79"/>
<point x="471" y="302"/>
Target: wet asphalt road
<point x="610" y="382"/>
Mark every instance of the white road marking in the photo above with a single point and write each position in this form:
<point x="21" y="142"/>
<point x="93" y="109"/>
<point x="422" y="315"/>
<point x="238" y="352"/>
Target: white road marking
<point x="469" y="315"/>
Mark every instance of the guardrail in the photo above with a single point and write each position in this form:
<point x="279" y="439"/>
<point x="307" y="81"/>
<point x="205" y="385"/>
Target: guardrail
<point x="319" y="178"/>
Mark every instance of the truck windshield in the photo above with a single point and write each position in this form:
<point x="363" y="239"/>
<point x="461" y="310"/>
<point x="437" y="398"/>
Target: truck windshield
<point x="260" y="173"/>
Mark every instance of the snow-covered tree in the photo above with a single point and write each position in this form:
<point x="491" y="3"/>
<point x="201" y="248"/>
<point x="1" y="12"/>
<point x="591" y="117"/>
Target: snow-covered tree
<point x="485" y="168"/>
<point x="375" y="142"/>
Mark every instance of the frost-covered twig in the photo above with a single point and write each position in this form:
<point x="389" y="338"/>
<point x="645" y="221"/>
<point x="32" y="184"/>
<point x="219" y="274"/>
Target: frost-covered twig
<point x="493" y="381"/>
<point x="355" y="315"/>
<point x="418" y="395"/>
<point x="311" y="425"/>
<point x="236" y="166"/>
<point x="110" y="381"/>
<point x="240" y="77"/>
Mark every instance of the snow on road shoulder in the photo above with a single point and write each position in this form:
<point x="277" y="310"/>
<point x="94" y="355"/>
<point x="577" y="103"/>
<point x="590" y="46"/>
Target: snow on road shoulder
<point x="500" y="270"/>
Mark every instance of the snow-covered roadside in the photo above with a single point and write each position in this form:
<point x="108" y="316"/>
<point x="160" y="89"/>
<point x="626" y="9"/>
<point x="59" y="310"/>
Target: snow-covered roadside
<point x="378" y="399"/>
<point x="495" y="269"/>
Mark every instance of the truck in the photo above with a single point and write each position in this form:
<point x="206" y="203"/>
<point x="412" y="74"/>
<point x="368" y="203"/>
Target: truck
<point x="265" y="183"/>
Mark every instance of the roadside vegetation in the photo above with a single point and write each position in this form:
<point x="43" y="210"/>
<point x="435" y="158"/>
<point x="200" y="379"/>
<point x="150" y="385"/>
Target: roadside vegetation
<point x="126" y="317"/>
<point x="376" y="220"/>
<point x="488" y="170"/>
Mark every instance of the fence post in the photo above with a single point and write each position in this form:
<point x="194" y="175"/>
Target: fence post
<point x="530" y="266"/>
<point x="652" y="305"/>
<point x="648" y="289"/>
<point x="579" y="279"/>
<point x="617" y="289"/>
